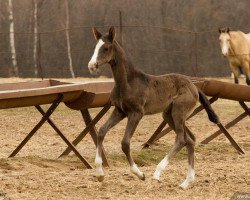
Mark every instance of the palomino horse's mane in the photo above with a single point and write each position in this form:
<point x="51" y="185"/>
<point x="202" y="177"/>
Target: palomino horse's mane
<point x="236" y="37"/>
<point x="231" y="47"/>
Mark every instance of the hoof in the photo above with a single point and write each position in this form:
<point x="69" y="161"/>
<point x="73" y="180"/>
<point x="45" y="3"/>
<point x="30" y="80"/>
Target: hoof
<point x="186" y="185"/>
<point x="156" y="180"/>
<point x="143" y="177"/>
<point x="156" y="176"/>
<point x="100" y="178"/>
<point x="183" y="186"/>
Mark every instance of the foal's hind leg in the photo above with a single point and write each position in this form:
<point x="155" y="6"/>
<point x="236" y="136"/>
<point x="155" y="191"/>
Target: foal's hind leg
<point x="133" y="120"/>
<point x="114" y="119"/>
<point x="181" y="108"/>
<point x="176" y="122"/>
<point x="190" y="148"/>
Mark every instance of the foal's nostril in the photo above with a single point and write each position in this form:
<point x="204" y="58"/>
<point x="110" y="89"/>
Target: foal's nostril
<point x="93" y="66"/>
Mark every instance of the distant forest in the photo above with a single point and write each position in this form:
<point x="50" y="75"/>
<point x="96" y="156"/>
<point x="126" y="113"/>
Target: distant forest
<point x="53" y="38"/>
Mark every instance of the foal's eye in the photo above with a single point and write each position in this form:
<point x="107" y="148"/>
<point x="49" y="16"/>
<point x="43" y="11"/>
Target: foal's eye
<point x="106" y="49"/>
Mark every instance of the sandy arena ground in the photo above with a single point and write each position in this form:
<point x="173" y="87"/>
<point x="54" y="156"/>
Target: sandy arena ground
<point x="37" y="172"/>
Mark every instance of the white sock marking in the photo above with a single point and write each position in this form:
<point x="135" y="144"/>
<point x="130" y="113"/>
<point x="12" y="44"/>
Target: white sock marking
<point x="189" y="179"/>
<point x="160" y="167"/>
<point x="135" y="170"/>
<point x="98" y="164"/>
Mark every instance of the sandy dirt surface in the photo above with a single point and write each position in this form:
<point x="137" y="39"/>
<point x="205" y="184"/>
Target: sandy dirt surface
<point x="37" y="172"/>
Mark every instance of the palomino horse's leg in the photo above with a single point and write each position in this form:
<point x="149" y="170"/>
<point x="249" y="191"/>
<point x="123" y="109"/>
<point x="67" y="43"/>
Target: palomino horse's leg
<point x="235" y="70"/>
<point x="246" y="70"/>
<point x="190" y="148"/>
<point x="114" y="119"/>
<point x="248" y="80"/>
<point x="133" y="120"/>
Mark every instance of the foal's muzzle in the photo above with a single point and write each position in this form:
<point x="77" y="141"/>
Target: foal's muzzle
<point x="93" y="67"/>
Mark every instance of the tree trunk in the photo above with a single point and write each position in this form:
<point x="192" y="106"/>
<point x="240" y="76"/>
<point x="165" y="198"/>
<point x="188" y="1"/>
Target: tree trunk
<point x="12" y="40"/>
<point x="68" y="40"/>
<point x="35" y="39"/>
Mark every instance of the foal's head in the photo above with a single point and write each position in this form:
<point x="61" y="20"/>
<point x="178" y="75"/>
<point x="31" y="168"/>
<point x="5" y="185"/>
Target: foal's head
<point x="224" y="41"/>
<point x="103" y="52"/>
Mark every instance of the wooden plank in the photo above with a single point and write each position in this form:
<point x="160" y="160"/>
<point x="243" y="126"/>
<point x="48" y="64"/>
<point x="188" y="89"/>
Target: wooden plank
<point x="71" y="146"/>
<point x="87" y="129"/>
<point x="244" y="106"/>
<point x="157" y="135"/>
<point x="230" y="138"/>
<point x="39" y="124"/>
<point x="93" y="132"/>
<point x="227" y="126"/>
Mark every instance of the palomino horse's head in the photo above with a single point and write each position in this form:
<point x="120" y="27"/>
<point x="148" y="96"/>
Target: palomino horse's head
<point x="103" y="52"/>
<point x="224" y="41"/>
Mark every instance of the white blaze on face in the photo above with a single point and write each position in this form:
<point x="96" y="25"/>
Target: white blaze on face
<point x="224" y="43"/>
<point x="93" y="59"/>
<point x="224" y="47"/>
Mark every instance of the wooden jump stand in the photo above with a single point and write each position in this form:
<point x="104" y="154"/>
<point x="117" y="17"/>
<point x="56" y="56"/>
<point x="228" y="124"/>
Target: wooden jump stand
<point x="89" y="99"/>
<point x="90" y="128"/>
<point x="159" y="133"/>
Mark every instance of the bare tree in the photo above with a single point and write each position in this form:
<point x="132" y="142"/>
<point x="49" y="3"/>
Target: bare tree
<point x="12" y="39"/>
<point x="35" y="38"/>
<point x="68" y="39"/>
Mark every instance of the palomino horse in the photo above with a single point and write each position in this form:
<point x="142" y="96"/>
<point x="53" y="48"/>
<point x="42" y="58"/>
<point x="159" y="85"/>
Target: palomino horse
<point x="235" y="45"/>
<point x="136" y="94"/>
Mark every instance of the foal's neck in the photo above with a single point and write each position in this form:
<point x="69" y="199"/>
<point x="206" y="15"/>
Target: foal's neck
<point x="122" y="69"/>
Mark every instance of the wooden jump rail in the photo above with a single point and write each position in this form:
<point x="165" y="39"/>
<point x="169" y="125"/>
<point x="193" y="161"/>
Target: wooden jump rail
<point x="83" y="96"/>
<point x="79" y="97"/>
<point x="216" y="89"/>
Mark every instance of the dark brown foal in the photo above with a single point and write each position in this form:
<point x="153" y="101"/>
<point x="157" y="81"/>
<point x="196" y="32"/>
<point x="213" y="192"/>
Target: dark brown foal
<point x="136" y="94"/>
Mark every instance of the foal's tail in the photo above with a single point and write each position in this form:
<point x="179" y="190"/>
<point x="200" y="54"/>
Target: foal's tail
<point x="206" y="104"/>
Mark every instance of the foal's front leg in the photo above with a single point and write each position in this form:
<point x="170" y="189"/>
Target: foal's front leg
<point x="133" y="121"/>
<point x="114" y="119"/>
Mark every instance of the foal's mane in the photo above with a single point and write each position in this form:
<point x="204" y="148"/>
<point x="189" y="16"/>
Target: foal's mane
<point x="128" y="64"/>
<point x="123" y="55"/>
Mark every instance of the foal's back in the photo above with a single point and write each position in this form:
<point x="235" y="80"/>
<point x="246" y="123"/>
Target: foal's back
<point x="162" y="90"/>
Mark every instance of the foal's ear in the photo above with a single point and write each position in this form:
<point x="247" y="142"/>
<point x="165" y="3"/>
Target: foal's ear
<point x="228" y="30"/>
<point x="219" y="29"/>
<point x="96" y="33"/>
<point x="111" y="33"/>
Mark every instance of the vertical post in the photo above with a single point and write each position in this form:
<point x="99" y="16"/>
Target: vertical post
<point x="196" y="54"/>
<point x="39" y="55"/>
<point x="35" y="38"/>
<point x="120" y="26"/>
